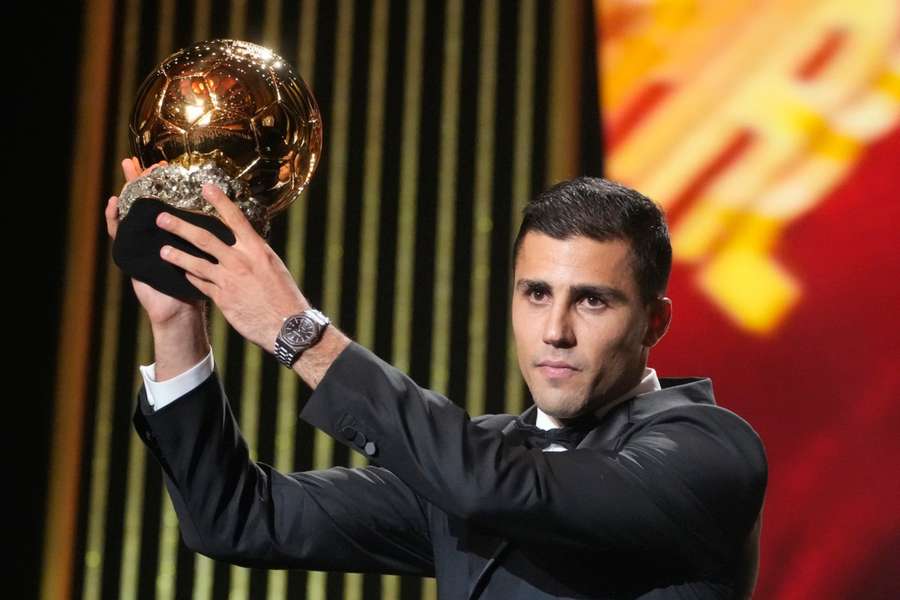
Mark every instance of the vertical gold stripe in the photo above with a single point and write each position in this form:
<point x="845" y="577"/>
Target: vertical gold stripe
<point x="165" y="33"/>
<point x="481" y="213"/>
<point x="563" y="144"/>
<point x="202" y="18"/>
<point x="522" y="167"/>
<point x="272" y="25"/>
<point x="337" y="163"/>
<point x="237" y="21"/>
<point x="368" y="277"/>
<point x="409" y="172"/>
<point x="73" y="357"/>
<point x="446" y="215"/>
<point x="103" y="418"/>
<point x="286" y="419"/>
<point x="406" y="210"/>
<point x="306" y="59"/>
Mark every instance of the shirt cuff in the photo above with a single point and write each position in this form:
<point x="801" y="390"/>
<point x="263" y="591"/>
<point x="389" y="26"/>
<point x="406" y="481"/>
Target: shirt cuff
<point x="161" y="393"/>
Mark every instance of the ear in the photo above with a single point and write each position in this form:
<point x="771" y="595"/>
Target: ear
<point x="659" y="318"/>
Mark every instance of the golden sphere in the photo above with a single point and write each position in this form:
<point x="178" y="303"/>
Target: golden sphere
<point x="237" y="105"/>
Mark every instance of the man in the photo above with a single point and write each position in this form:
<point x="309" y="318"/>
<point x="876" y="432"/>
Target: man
<point x="616" y="484"/>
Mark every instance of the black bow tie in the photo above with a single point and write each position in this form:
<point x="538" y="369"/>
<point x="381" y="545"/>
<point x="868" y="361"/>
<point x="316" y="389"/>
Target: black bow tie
<point x="534" y="437"/>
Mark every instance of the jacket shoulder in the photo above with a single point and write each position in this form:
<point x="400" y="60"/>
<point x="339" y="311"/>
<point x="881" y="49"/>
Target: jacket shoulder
<point x="716" y="418"/>
<point x="737" y="442"/>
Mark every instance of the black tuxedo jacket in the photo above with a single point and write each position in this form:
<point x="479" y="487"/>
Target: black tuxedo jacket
<point x="660" y="500"/>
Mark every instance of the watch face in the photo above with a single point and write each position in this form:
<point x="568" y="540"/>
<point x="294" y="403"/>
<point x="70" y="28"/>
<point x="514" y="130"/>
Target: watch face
<point x="298" y="330"/>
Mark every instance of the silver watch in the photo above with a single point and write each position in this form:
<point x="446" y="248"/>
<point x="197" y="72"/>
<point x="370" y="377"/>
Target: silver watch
<point x="299" y="332"/>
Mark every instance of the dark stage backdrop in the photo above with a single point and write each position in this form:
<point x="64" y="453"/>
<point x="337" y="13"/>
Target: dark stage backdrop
<point x="768" y="130"/>
<point x="441" y="119"/>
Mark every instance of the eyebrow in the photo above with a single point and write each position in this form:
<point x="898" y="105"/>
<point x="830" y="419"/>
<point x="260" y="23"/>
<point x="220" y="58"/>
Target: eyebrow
<point x="580" y="290"/>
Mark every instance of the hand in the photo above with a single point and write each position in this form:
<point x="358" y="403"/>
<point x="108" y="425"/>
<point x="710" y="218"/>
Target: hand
<point x="161" y="308"/>
<point x="250" y="284"/>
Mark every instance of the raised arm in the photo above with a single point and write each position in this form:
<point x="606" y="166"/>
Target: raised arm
<point x="229" y="507"/>
<point x="232" y="509"/>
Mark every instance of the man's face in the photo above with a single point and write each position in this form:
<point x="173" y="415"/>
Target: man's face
<point x="582" y="331"/>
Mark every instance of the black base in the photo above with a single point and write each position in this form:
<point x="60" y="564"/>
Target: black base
<point x="139" y="240"/>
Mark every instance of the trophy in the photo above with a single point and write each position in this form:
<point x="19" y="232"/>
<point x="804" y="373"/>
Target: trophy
<point x="226" y="112"/>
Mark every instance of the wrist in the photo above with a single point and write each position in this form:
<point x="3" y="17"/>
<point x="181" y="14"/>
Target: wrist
<point x="188" y="317"/>
<point x="315" y="362"/>
<point x="179" y="343"/>
<point x="273" y="328"/>
<point x="298" y="332"/>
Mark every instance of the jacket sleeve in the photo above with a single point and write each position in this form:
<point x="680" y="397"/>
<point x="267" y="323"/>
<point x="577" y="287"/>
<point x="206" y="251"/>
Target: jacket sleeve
<point x="232" y="509"/>
<point x="688" y="482"/>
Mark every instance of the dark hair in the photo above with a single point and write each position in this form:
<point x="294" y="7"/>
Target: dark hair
<point x="604" y="210"/>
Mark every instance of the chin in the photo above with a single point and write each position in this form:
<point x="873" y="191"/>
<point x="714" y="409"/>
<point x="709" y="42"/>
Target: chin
<point x="559" y="408"/>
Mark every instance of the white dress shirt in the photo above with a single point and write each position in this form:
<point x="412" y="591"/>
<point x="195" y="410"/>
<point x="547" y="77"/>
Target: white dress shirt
<point x="161" y="393"/>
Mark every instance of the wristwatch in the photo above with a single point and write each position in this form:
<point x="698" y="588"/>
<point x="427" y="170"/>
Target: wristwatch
<point x="299" y="332"/>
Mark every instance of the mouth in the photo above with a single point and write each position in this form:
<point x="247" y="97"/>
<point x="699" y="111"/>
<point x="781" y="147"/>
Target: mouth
<point x="554" y="369"/>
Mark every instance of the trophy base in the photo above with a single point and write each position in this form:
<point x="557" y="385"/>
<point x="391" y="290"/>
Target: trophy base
<point x="139" y="241"/>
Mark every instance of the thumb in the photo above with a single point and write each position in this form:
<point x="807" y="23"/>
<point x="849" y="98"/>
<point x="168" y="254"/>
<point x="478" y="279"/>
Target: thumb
<point x="112" y="216"/>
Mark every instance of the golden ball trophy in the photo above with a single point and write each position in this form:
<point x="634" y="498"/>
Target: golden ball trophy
<point x="226" y="112"/>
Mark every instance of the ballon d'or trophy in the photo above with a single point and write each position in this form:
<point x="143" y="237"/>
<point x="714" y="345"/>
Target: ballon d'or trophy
<point x="225" y="112"/>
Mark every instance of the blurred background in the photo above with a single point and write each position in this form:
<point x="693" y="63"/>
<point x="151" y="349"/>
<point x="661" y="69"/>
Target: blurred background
<point x="769" y="131"/>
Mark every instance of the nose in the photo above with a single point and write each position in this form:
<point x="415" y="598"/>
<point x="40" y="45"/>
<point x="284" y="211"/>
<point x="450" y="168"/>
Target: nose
<point x="558" y="331"/>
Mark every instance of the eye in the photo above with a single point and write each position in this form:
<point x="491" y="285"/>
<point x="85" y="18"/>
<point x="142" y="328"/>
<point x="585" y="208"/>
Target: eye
<point x="594" y="301"/>
<point x="536" y="294"/>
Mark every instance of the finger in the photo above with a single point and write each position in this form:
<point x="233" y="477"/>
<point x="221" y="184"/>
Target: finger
<point x="131" y="171"/>
<point x="204" y="286"/>
<point x="112" y="216"/>
<point x="190" y="263"/>
<point x="161" y="163"/>
<point x="199" y="237"/>
<point x="136" y="164"/>
<point x="231" y="214"/>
